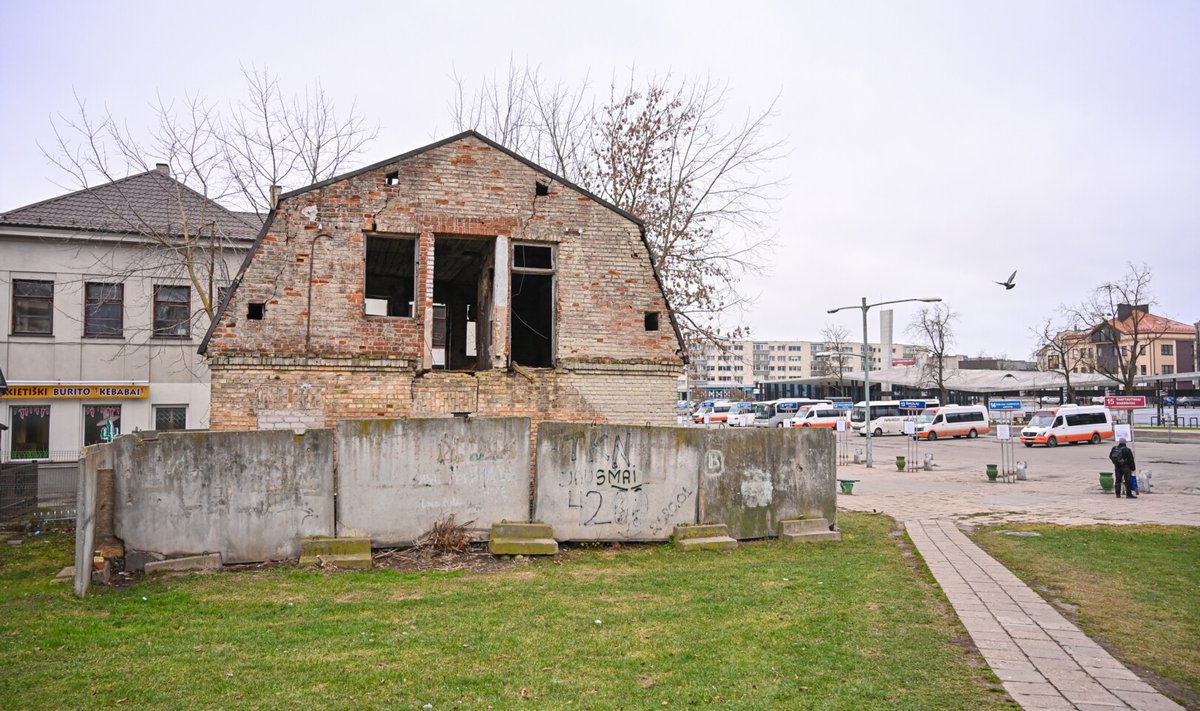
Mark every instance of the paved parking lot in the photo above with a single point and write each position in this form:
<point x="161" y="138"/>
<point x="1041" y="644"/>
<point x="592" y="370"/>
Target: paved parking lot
<point x="1063" y="484"/>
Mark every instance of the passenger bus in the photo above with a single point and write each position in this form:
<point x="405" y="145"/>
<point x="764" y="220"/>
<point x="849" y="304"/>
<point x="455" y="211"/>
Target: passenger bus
<point x="886" y="416"/>
<point x="776" y="413"/>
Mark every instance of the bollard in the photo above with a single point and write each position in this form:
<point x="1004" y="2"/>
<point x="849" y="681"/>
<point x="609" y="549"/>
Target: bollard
<point x="1021" y="471"/>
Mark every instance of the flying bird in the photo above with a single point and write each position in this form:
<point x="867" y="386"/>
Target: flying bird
<point x="1008" y="284"/>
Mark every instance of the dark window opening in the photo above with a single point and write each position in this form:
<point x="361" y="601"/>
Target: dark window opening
<point x="651" y="320"/>
<point x="529" y="256"/>
<point x="533" y="319"/>
<point x="172" y="311"/>
<point x="255" y="312"/>
<point x="391" y="276"/>
<point x="392" y="178"/>
<point x="103" y="309"/>
<point x="541" y="189"/>
<point x="95" y="418"/>
<point x="33" y="307"/>
<point x="463" y="269"/>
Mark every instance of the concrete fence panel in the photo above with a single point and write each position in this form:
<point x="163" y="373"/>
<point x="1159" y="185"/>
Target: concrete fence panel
<point x="396" y="478"/>
<point x="616" y="483"/>
<point x="752" y="478"/>
<point x="249" y="496"/>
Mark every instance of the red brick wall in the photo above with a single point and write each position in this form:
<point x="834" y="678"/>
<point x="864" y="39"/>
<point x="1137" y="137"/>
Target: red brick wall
<point x="316" y="350"/>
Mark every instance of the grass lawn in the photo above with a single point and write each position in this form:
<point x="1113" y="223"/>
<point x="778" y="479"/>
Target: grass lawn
<point x="828" y="625"/>
<point x="1136" y="588"/>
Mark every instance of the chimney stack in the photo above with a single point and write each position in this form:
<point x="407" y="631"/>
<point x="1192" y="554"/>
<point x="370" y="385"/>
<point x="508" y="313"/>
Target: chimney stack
<point x="276" y="191"/>
<point x="164" y="168"/>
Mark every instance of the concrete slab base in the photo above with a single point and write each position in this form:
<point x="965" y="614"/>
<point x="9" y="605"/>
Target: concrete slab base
<point x="345" y="553"/>
<point x="522" y="539"/>
<point x="703" y="537"/>
<point x="805" y="530"/>
<point x="65" y="575"/>
<point x="208" y="561"/>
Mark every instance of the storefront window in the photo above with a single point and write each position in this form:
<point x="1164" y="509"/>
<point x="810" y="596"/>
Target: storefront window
<point x="30" y="431"/>
<point x="170" y="417"/>
<point x="94" y="417"/>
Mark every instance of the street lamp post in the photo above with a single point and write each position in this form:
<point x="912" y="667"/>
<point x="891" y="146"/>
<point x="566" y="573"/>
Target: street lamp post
<point x="867" y="359"/>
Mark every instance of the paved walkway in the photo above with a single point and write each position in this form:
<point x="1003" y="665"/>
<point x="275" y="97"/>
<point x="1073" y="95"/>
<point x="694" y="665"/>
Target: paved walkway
<point x="1044" y="661"/>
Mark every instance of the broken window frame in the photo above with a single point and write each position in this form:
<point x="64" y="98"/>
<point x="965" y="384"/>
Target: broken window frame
<point x="416" y="271"/>
<point x="552" y="272"/>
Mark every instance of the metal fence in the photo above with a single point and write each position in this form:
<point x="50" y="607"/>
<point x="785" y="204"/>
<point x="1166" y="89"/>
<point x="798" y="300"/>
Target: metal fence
<point x="38" y="492"/>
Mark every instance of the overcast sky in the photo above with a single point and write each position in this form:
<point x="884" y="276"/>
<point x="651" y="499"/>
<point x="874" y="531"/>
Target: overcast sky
<point x="932" y="148"/>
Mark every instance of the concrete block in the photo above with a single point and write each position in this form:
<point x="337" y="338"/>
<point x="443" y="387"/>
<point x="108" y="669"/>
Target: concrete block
<point x="811" y="536"/>
<point x="208" y="561"/>
<point x="522" y="546"/>
<point x="712" y="543"/>
<point x="345" y="561"/>
<point x="702" y="530"/>
<point x="65" y="575"/>
<point x="522" y="530"/>
<point x="135" y="561"/>
<point x="803" y="525"/>
<point x="345" y="553"/>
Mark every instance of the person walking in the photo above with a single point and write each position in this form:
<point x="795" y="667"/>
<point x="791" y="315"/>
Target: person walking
<point x="1122" y="459"/>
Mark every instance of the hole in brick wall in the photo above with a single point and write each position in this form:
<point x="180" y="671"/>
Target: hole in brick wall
<point x="533" y="319"/>
<point x="255" y="312"/>
<point x="462" y="294"/>
<point x="651" y="320"/>
<point x="541" y="189"/>
<point x="390" y="269"/>
<point x="392" y="178"/>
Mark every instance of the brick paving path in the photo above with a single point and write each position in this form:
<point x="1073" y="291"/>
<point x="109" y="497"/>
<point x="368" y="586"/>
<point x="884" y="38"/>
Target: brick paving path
<point x="1044" y="661"/>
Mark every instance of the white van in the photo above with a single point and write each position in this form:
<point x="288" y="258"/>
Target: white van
<point x="1068" y="423"/>
<point x="776" y="413"/>
<point x="715" y="410"/>
<point x="953" y="421"/>
<point x="886" y="416"/>
<point x="818" y="416"/>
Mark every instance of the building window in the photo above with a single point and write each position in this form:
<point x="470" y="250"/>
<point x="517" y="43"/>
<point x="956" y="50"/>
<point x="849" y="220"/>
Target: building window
<point x="1168" y="370"/>
<point x="33" y="308"/>
<point x="172" y="311"/>
<point x="390" y="283"/>
<point x="1143" y="370"/>
<point x="533" y="305"/>
<point x="170" y="417"/>
<point x="29" y="434"/>
<point x="95" y="417"/>
<point x="1168" y="349"/>
<point x="103" y="310"/>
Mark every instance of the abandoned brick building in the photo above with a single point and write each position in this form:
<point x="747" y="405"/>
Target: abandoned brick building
<point x="456" y="278"/>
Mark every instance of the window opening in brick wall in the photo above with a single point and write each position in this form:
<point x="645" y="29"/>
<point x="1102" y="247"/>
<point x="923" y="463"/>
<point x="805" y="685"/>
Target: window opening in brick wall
<point x="651" y="319"/>
<point x="392" y="178"/>
<point x="172" y="311"/>
<point x="541" y="189"/>
<point x="463" y="269"/>
<point x="255" y="312"/>
<point x="103" y="309"/>
<point x="33" y="307"/>
<point x="532" y="325"/>
<point x="391" y="267"/>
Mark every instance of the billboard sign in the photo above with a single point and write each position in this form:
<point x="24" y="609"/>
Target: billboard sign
<point x="1124" y="402"/>
<point x="898" y="362"/>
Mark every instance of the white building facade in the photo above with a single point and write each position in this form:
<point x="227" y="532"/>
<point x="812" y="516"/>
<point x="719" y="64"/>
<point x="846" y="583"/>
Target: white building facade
<point x="105" y="295"/>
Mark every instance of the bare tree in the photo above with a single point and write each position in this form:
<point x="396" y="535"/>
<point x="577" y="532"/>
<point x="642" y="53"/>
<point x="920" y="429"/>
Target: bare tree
<point x="1057" y="347"/>
<point x="1117" y="316"/>
<point x="664" y="150"/>
<point x="214" y="156"/>
<point x="933" y="327"/>
<point x="832" y="363"/>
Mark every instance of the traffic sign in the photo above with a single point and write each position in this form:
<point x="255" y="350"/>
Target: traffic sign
<point x="843" y="406"/>
<point x="1004" y="405"/>
<point x="912" y="404"/>
<point x="1124" y="402"/>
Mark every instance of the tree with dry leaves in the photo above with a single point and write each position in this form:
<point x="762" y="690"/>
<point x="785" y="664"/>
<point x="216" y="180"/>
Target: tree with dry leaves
<point x="1120" y="325"/>
<point x="663" y="149"/>
<point x="837" y="356"/>
<point x="933" y="329"/>
<point x="1058" y="346"/>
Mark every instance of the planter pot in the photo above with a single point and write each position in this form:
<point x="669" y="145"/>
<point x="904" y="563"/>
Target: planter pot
<point x="993" y="471"/>
<point x="899" y="464"/>
<point x="1106" y="481"/>
<point x="847" y="485"/>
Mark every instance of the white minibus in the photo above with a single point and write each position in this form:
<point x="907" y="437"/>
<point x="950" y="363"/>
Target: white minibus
<point x="818" y="416"/>
<point x="776" y="413"/>
<point x="1068" y="423"/>
<point x="953" y="421"/>
<point x="886" y="416"/>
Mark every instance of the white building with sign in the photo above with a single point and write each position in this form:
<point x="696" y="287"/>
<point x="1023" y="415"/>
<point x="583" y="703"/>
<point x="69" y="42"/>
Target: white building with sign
<point x="105" y="293"/>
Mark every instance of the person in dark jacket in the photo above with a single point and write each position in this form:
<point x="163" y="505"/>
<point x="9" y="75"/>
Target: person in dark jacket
<point x="1122" y="459"/>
